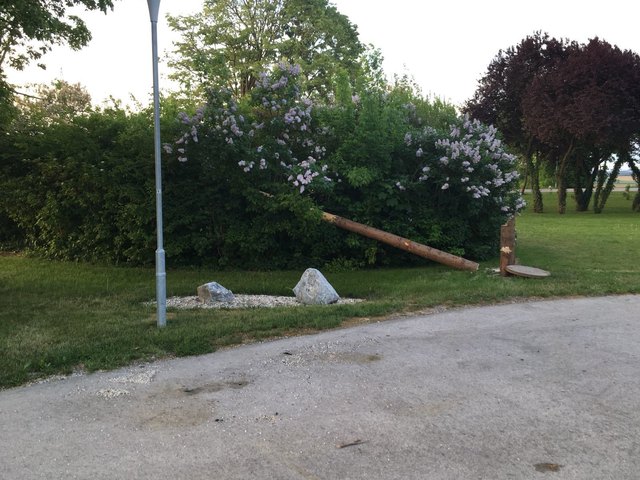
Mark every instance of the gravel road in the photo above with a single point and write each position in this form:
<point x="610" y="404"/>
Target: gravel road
<point x="530" y="390"/>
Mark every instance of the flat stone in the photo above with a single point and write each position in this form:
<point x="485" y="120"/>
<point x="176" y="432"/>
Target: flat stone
<point x="214" y="292"/>
<point x="314" y="289"/>
<point x="527" y="272"/>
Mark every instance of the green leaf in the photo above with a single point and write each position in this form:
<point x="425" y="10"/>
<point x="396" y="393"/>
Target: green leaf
<point x="360" y="176"/>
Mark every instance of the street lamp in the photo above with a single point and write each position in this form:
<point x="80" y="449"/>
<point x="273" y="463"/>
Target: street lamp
<point x="161" y="276"/>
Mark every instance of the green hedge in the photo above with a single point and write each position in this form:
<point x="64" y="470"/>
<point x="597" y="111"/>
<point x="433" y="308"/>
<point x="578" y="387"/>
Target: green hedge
<point x="246" y="179"/>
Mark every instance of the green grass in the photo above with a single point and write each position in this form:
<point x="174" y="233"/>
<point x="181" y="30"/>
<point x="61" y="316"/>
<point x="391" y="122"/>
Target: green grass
<point x="56" y="317"/>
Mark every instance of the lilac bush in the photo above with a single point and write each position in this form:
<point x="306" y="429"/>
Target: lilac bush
<point x="385" y="159"/>
<point x="269" y="134"/>
<point x="469" y="162"/>
<point x="413" y="167"/>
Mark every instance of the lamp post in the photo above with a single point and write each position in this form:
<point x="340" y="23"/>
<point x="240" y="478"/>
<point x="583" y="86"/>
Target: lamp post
<point x="161" y="276"/>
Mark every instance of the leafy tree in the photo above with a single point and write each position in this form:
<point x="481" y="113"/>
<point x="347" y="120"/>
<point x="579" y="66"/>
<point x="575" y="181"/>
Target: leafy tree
<point x="586" y="109"/>
<point x="59" y="102"/>
<point x="575" y="107"/>
<point x="56" y="104"/>
<point x="30" y="28"/>
<point x="498" y="99"/>
<point x="231" y="41"/>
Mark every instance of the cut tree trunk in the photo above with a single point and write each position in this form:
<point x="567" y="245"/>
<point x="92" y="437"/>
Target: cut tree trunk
<point x="507" y="246"/>
<point x="401" y="243"/>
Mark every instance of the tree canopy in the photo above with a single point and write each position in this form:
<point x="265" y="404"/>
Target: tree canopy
<point x="232" y="41"/>
<point x="498" y="99"/>
<point x="587" y="109"/>
<point x="58" y="102"/>
<point x="30" y="28"/>
<point x="574" y="107"/>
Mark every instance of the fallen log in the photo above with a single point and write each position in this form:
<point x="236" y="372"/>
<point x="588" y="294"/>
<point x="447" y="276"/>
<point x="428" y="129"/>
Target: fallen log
<point x="401" y="243"/>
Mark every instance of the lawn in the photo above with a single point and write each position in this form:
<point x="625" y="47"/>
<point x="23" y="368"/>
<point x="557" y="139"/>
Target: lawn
<point x="57" y="317"/>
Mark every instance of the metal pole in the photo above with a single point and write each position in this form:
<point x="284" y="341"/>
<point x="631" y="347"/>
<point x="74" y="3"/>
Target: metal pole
<point x="161" y="276"/>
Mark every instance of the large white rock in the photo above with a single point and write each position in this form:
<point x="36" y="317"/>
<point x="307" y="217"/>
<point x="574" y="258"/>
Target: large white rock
<point x="314" y="289"/>
<point x="214" y="292"/>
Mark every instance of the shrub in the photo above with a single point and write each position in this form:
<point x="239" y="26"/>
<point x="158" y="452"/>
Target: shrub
<point x="470" y="181"/>
<point x="275" y="161"/>
<point x="246" y="180"/>
<point x="261" y="159"/>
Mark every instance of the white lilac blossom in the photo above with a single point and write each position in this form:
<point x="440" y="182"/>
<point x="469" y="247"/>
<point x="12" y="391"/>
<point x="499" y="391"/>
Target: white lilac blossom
<point x="407" y="139"/>
<point x="193" y="122"/>
<point x="274" y="131"/>
<point x="471" y="160"/>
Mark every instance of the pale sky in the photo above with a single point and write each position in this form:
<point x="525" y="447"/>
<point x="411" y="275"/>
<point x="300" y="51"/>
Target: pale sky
<point x="445" y="46"/>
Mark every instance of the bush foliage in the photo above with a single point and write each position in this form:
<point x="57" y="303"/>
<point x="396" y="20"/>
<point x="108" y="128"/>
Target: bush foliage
<point x="246" y="179"/>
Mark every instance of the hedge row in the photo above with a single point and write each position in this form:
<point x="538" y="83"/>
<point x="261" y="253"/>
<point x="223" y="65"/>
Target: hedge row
<point x="245" y="180"/>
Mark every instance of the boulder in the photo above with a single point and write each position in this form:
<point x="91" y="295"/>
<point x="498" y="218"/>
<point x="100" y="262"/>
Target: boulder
<point x="214" y="292"/>
<point x="314" y="289"/>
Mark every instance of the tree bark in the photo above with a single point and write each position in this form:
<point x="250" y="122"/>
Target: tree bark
<point x="562" y="194"/>
<point x="561" y="177"/>
<point x="401" y="243"/>
<point x="598" y="206"/>
<point x="525" y="180"/>
<point x="578" y="192"/>
<point x="538" y="206"/>
<point x="583" y="198"/>
<point x="534" y="175"/>
<point x="636" y="176"/>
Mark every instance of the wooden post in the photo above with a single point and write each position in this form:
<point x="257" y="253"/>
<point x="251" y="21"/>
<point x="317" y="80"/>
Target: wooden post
<point x="507" y="245"/>
<point x="401" y="243"/>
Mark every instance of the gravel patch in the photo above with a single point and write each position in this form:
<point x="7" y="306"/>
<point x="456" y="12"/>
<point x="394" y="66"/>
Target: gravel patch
<point x="245" y="301"/>
<point x="141" y="378"/>
<point x="112" y="392"/>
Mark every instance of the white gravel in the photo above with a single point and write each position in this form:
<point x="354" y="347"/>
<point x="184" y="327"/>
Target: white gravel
<point x="245" y="301"/>
<point x="112" y="392"/>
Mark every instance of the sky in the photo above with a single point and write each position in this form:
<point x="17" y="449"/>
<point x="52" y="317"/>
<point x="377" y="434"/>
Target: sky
<point x="445" y="46"/>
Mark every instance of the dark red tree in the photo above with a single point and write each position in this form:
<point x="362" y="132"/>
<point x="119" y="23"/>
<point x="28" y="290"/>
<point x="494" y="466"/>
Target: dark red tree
<point x="498" y="99"/>
<point x="586" y="111"/>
